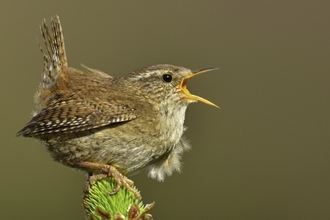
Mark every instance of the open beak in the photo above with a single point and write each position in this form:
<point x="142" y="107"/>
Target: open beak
<point x="183" y="86"/>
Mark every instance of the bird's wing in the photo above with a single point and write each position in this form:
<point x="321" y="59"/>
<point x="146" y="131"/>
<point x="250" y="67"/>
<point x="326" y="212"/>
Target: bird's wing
<point x="69" y="116"/>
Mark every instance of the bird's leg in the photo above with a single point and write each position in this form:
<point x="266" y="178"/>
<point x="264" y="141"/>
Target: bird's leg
<point x="111" y="171"/>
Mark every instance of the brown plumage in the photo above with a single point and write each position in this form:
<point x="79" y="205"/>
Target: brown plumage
<point x="129" y="122"/>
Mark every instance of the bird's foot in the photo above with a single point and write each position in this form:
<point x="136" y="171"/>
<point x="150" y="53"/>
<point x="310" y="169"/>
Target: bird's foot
<point x="111" y="171"/>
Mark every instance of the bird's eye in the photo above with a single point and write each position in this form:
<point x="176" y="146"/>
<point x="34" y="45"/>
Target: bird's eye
<point x="167" y="77"/>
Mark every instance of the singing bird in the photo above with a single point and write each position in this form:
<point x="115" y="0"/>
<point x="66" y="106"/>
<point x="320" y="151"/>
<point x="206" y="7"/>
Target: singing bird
<point x="92" y="121"/>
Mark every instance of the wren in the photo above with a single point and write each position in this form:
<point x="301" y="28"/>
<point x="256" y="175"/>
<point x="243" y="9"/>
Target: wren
<point x="94" y="122"/>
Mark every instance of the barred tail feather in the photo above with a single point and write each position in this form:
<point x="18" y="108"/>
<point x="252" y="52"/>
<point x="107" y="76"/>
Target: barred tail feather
<point x="55" y="60"/>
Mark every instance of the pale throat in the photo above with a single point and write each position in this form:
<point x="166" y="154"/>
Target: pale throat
<point x="173" y="120"/>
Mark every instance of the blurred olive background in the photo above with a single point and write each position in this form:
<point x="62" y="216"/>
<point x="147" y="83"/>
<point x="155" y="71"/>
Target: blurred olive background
<point x="264" y="155"/>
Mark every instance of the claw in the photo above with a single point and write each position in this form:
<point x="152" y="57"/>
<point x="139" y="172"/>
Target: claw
<point x="111" y="171"/>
